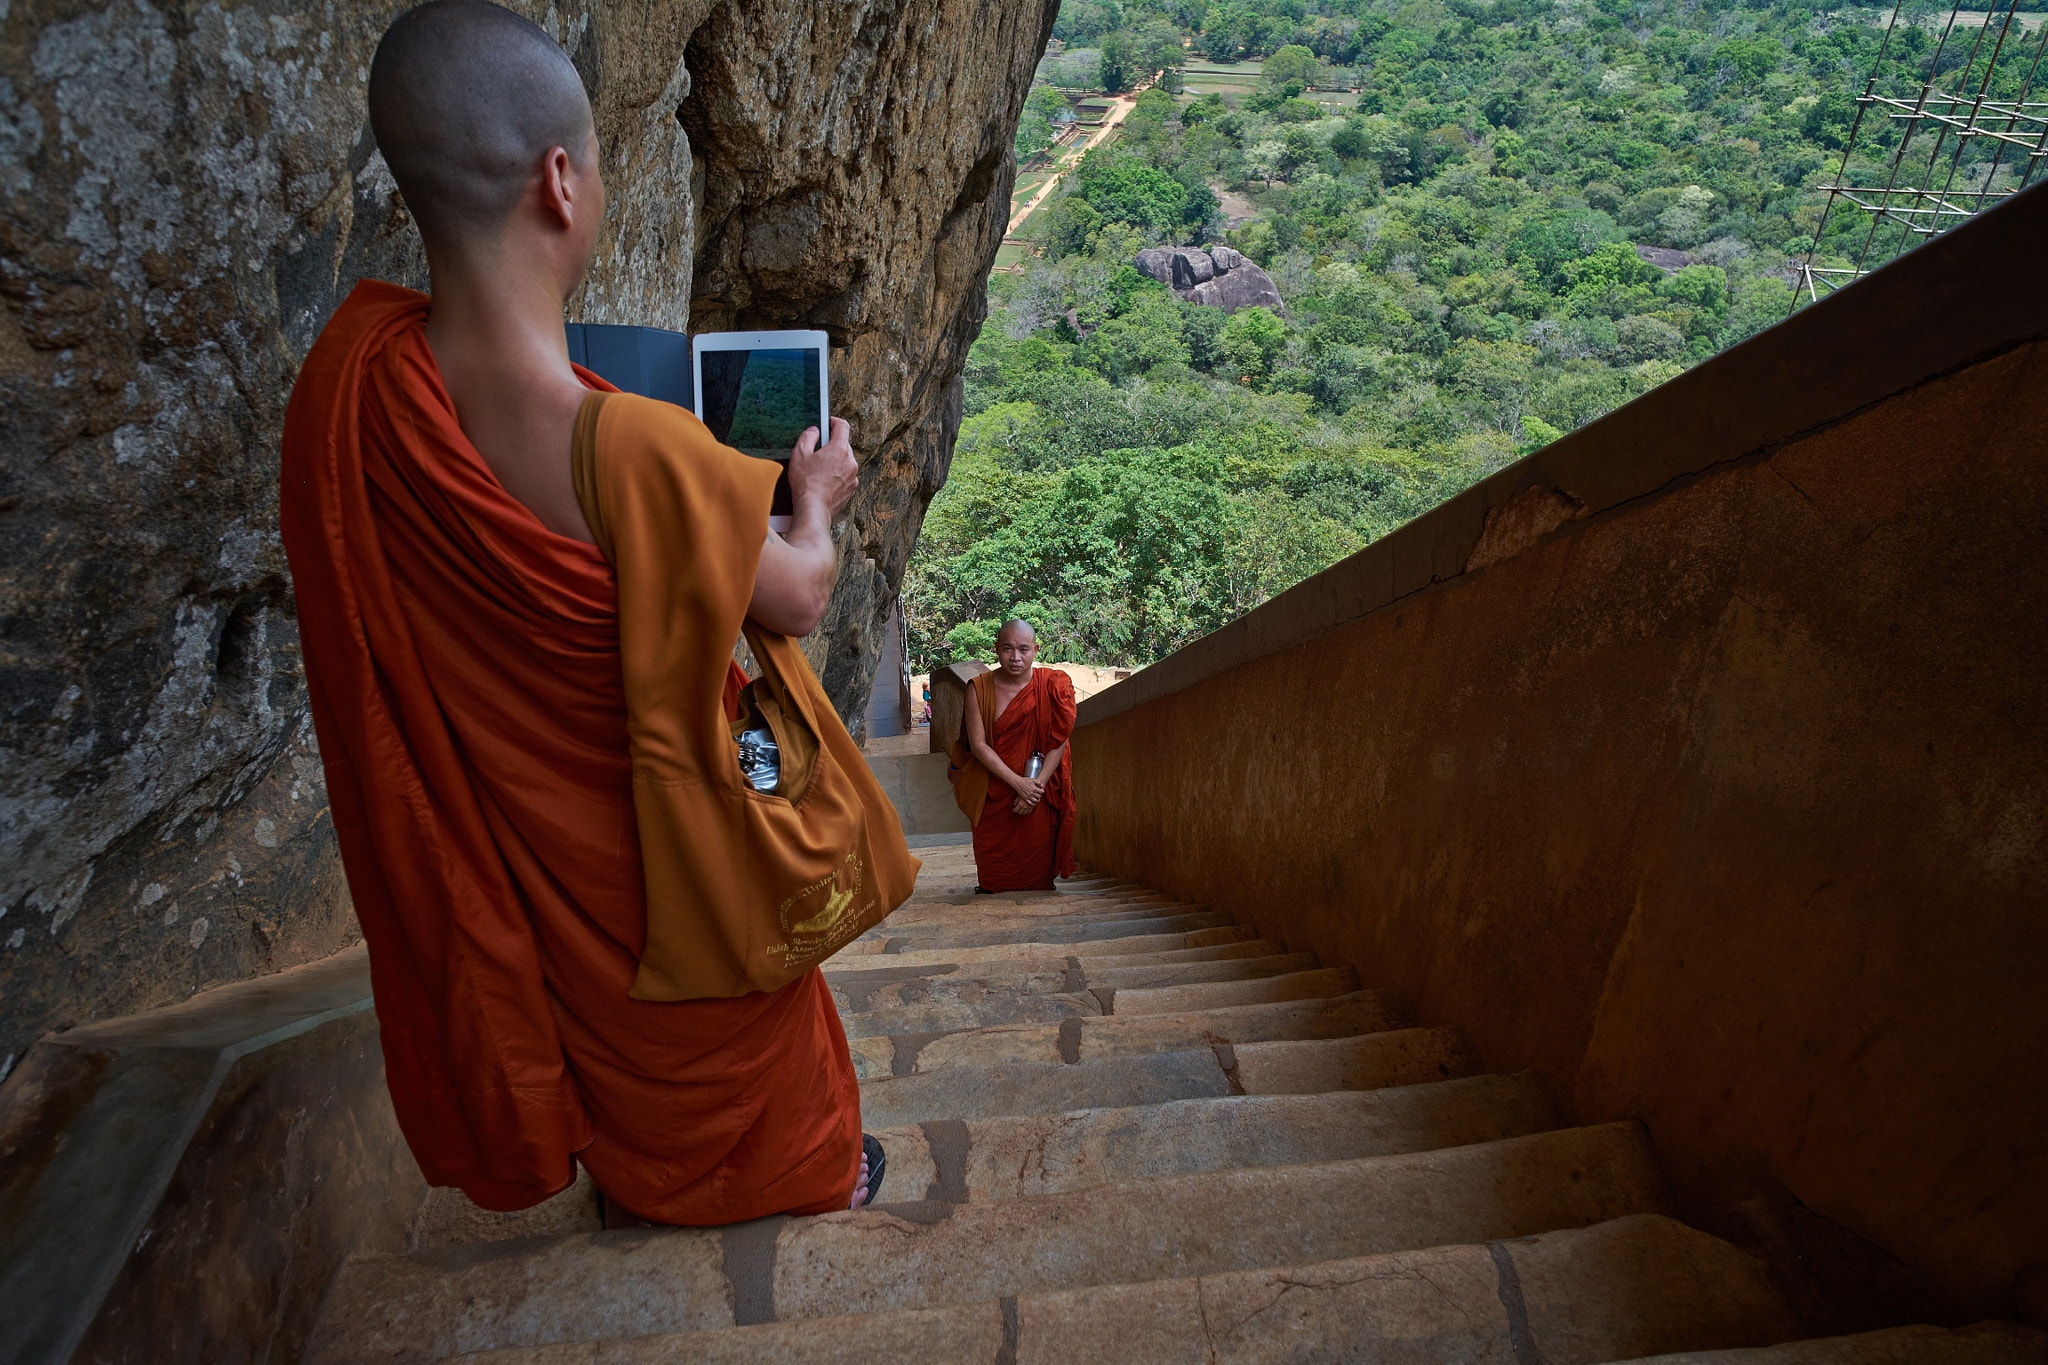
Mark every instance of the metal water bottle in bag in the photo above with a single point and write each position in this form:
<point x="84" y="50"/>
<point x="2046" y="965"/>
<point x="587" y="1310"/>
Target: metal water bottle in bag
<point x="760" y="759"/>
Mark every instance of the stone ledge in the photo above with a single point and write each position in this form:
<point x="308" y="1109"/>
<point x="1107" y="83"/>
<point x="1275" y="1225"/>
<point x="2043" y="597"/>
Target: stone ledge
<point x="1926" y="314"/>
<point x="183" y="1183"/>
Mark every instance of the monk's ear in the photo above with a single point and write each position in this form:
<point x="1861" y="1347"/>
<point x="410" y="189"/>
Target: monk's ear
<point x="558" y="196"/>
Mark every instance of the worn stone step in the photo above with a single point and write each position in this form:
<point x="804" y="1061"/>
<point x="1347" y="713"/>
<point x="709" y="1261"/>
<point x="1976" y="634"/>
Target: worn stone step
<point x="1396" y="1057"/>
<point x="1110" y="974"/>
<point x="1000" y="1008"/>
<point x="1577" y="1296"/>
<point x="1022" y="1007"/>
<point x="912" y="919"/>
<point x="447" y="1217"/>
<point x="958" y="888"/>
<point x="1310" y="985"/>
<point x="893" y="988"/>
<point x="862" y="953"/>
<point x="1053" y="930"/>
<point x="1986" y="1343"/>
<point x="594" y="1285"/>
<point x="1364" y="1062"/>
<point x="974" y="1092"/>
<point x="1076" y="1039"/>
<point x="859" y="992"/>
<point x="977" y="908"/>
<point x="1016" y="1157"/>
<point x="869" y="968"/>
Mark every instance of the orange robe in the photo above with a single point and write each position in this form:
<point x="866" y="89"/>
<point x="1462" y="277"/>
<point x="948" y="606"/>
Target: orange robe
<point x="464" y="670"/>
<point x="1020" y="852"/>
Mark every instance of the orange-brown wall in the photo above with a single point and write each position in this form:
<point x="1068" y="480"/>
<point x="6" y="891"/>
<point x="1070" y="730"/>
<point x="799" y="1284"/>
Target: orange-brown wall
<point x="1724" y="806"/>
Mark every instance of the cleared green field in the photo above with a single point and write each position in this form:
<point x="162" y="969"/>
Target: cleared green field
<point x="1011" y="254"/>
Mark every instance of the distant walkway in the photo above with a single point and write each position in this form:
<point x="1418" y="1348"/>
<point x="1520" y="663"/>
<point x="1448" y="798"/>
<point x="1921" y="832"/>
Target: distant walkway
<point x="1118" y="109"/>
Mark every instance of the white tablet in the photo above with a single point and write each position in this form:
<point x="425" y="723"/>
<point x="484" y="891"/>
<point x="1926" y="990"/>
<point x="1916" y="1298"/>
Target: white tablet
<point x="758" y="391"/>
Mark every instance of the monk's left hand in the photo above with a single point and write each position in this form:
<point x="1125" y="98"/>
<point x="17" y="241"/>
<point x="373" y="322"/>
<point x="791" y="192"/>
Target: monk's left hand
<point x="1024" y="805"/>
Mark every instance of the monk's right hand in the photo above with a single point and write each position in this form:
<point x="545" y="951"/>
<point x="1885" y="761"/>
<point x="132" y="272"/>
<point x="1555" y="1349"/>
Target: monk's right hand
<point x="826" y="474"/>
<point x="1028" y="790"/>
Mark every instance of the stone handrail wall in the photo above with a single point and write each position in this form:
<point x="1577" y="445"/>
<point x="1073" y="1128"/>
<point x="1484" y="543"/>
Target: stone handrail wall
<point x="1696" y="762"/>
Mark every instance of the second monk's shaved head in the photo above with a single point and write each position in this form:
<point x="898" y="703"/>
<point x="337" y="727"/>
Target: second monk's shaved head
<point x="466" y="97"/>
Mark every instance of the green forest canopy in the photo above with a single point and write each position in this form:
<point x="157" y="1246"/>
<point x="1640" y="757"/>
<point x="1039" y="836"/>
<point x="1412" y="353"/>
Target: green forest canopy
<point x="1456" y="246"/>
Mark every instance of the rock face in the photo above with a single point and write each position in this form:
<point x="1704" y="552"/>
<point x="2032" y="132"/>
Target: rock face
<point x="1245" y="287"/>
<point x="186" y="192"/>
<point x="1218" y="277"/>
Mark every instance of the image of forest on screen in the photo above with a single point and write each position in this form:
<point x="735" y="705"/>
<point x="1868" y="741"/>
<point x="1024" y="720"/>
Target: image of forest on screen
<point x="761" y="401"/>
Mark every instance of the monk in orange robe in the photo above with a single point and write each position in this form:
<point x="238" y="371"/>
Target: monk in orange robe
<point x="462" y="647"/>
<point x="1023" y="824"/>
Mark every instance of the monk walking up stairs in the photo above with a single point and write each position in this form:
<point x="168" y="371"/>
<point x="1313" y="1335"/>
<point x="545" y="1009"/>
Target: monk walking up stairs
<point x="1128" y="1129"/>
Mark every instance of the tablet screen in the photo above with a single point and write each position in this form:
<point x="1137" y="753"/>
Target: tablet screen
<point x="760" y="401"/>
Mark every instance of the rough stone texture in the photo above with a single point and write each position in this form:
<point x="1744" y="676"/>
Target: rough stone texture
<point x="182" y="1185"/>
<point x="186" y="191"/>
<point x="973" y="1092"/>
<point x="931" y="1254"/>
<point x="1721" y="805"/>
<point x="471" y="1298"/>
<point x="1986" y="1343"/>
<point x="970" y="1332"/>
<point x="1213" y="1222"/>
<point x="1400" y="1308"/>
<point x="855" y="163"/>
<point x="1156" y="262"/>
<point x="1247" y="286"/>
<point x="1308" y="985"/>
<point x="1191" y="268"/>
<point x="446" y="1217"/>
<point x="1013" y="1158"/>
<point x="1217" y="277"/>
<point x="1408" y="1056"/>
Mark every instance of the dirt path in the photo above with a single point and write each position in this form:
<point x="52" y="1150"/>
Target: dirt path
<point x="1119" y="107"/>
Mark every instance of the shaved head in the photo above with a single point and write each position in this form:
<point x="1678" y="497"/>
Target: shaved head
<point x="1016" y="648"/>
<point x="466" y="98"/>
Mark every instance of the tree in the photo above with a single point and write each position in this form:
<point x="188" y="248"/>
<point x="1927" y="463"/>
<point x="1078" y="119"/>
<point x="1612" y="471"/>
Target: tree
<point x="1252" y="340"/>
<point x="1143" y="338"/>
<point x="1069" y="226"/>
<point x="1117" y="71"/>
<point x="1291" y="63"/>
<point x="1123" y="189"/>
<point x="1498" y="376"/>
<point x="1762" y="303"/>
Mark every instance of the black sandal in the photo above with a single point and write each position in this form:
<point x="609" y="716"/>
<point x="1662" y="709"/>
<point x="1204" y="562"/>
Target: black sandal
<point x="878" y="1162"/>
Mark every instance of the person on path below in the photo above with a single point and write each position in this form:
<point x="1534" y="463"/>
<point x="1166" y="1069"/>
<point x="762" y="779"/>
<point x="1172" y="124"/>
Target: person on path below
<point x="462" y="638"/>
<point x="1024" y="832"/>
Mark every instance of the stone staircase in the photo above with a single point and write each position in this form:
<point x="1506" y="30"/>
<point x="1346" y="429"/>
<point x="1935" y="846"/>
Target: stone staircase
<point x="1127" y="1129"/>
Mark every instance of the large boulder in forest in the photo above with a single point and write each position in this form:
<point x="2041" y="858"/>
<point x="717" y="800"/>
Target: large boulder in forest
<point x="1216" y="277"/>
<point x="1245" y="287"/>
<point x="1191" y="268"/>
<point x="190" y="190"/>
<point x="1155" y="262"/>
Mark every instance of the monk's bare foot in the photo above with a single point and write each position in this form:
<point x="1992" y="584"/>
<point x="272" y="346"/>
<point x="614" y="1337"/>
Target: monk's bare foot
<point x="874" y="1169"/>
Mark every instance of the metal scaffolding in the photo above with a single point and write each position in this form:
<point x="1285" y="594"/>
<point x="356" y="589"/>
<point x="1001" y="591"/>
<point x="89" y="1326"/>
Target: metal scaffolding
<point x="1934" y="180"/>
